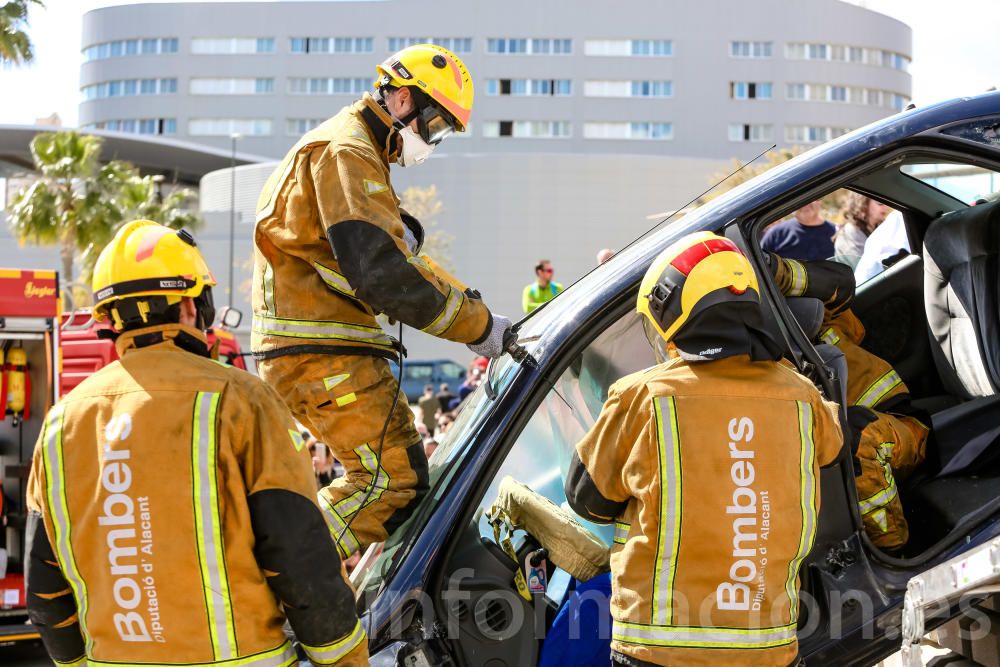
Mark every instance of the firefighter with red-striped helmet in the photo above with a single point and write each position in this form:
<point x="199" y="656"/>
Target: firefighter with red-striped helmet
<point x="707" y="464"/>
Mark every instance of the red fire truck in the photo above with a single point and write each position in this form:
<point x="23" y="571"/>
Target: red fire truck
<point x="43" y="355"/>
<point x="29" y="345"/>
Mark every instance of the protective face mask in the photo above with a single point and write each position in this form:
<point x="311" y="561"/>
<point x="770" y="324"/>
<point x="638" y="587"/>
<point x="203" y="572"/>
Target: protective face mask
<point x="415" y="149"/>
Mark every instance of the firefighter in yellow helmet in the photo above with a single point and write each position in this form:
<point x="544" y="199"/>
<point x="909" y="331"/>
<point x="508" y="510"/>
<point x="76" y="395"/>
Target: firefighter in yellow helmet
<point x="172" y="511"/>
<point x="333" y="249"/>
<point x="708" y="466"/>
<point x="889" y="436"/>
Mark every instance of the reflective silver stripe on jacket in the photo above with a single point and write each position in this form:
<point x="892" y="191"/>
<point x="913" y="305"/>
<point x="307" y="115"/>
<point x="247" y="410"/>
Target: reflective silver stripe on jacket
<point x="800" y="279"/>
<point x="55" y="482"/>
<point x="830" y="337"/>
<point x="447" y="315"/>
<point x="621" y="532"/>
<point x="274" y="326"/>
<point x="283" y="656"/>
<point x="329" y="654"/>
<point x="267" y="277"/>
<point x="208" y="526"/>
<point x="807" y="503"/>
<point x="334" y="280"/>
<point x="349" y="506"/>
<point x="342" y="535"/>
<point x="690" y="637"/>
<point x="668" y="540"/>
<point x="878" y="389"/>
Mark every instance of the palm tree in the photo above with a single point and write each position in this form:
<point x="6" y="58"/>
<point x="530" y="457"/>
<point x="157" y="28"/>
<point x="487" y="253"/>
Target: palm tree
<point x="15" y="46"/>
<point x="79" y="203"/>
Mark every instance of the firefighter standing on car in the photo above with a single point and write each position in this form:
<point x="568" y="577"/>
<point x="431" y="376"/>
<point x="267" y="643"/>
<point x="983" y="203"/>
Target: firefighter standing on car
<point x="708" y="465"/>
<point x="333" y="249"/>
<point x="890" y="441"/>
<point x="173" y="519"/>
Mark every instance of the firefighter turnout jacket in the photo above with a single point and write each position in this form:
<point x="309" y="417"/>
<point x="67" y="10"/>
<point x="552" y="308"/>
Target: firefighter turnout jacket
<point x="333" y="249"/>
<point x="174" y="521"/>
<point x="892" y="441"/>
<point x="710" y="472"/>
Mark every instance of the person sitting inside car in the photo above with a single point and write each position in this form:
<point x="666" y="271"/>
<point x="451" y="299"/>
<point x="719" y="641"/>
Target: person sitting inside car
<point x="890" y="440"/>
<point x="708" y="464"/>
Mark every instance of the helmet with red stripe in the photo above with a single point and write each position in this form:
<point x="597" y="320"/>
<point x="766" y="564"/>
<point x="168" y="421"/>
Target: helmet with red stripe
<point x="697" y="272"/>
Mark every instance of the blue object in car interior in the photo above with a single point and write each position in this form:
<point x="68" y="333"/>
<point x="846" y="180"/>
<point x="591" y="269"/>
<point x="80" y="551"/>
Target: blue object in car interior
<point x="581" y="633"/>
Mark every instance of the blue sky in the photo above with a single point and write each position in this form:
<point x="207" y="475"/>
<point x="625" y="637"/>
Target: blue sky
<point x="954" y="46"/>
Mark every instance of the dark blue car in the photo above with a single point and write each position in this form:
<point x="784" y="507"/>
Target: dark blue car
<point x="419" y="374"/>
<point x="440" y="591"/>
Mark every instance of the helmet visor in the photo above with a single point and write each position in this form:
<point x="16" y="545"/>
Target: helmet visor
<point x="434" y="124"/>
<point x="655" y="341"/>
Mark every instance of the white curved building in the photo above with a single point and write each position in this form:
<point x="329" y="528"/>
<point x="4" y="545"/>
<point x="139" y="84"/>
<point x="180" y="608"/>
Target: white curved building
<point x="660" y="77"/>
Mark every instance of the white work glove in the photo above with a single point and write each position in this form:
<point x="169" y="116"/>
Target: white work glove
<point x="492" y="347"/>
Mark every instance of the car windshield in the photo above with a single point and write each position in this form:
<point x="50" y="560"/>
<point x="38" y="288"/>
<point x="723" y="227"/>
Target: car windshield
<point x="378" y="563"/>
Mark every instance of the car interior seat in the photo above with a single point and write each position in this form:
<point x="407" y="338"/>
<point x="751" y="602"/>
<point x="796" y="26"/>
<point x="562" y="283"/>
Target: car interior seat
<point x="962" y="301"/>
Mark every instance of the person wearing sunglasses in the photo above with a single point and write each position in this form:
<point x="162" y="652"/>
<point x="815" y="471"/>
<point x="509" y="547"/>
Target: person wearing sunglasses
<point x="542" y="290"/>
<point x="332" y="250"/>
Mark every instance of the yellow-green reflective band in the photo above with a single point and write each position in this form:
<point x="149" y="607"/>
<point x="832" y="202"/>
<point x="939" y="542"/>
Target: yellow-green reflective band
<point x="830" y="337"/>
<point x="334" y="280"/>
<point x="691" y="637"/>
<point x="267" y="276"/>
<point x="621" y="532"/>
<point x="329" y="654"/>
<point x="82" y="660"/>
<point x="346" y="543"/>
<point x="447" y="315"/>
<point x="273" y="326"/>
<point x="799" y="278"/>
<point x="208" y="526"/>
<point x="878" y="389"/>
<point x="351" y="505"/>
<point x="282" y="656"/>
<point x="55" y="481"/>
<point x="880" y="499"/>
<point x="668" y="540"/>
<point x="807" y="503"/>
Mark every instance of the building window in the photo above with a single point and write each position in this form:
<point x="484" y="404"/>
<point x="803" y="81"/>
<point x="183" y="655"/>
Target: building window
<point x="624" y="130"/>
<point x="635" y="88"/>
<point x="750" y="132"/>
<point x="205" y="86"/>
<point x="749" y="90"/>
<point x="333" y="44"/>
<point x="453" y="44"/>
<point x="130" y="47"/>
<point x="138" y="125"/>
<point x="844" y="53"/>
<point x="529" y="87"/>
<point x="516" y="45"/>
<point x="129" y="88"/>
<point x="231" y="45"/>
<point x="628" y="47"/>
<point x="652" y="47"/>
<point x="528" y="129"/>
<point x="811" y="134"/>
<point x="652" y="89"/>
<point x="821" y="92"/>
<point x="750" y="49"/>
<point x="296" y="127"/>
<point x="328" y="86"/>
<point x="224" y="127"/>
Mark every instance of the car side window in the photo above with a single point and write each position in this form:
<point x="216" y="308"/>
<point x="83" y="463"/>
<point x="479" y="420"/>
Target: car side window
<point x="541" y="454"/>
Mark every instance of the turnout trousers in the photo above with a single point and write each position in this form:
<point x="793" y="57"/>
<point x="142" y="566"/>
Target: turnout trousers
<point x="344" y="401"/>
<point x="890" y="447"/>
